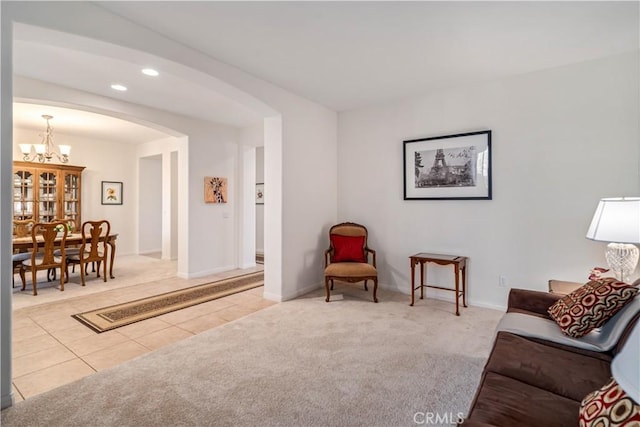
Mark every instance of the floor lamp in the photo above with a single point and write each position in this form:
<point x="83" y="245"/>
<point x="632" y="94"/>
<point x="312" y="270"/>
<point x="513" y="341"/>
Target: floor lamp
<point x="617" y="220"/>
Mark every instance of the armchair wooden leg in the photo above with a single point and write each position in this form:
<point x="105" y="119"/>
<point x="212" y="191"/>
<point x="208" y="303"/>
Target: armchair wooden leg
<point x="326" y="287"/>
<point x="365" y="286"/>
<point x="331" y="284"/>
<point x="375" y="290"/>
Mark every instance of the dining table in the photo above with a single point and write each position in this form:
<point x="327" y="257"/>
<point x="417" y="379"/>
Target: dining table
<point x="23" y="244"/>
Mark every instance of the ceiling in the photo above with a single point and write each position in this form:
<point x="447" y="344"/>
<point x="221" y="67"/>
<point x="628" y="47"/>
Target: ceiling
<point x="347" y="55"/>
<point x="343" y="55"/>
<point x="80" y="123"/>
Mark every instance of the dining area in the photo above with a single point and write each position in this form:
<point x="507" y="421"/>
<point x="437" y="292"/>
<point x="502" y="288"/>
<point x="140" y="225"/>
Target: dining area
<point x="50" y="239"/>
<point x="53" y="248"/>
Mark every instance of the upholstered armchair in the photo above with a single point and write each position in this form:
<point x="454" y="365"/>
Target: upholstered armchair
<point x="347" y="258"/>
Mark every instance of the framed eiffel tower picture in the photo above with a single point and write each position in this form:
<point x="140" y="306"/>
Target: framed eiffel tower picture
<point x="448" y="167"/>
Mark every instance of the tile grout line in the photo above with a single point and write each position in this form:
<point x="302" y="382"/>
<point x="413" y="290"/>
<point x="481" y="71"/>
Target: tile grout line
<point x="17" y="389"/>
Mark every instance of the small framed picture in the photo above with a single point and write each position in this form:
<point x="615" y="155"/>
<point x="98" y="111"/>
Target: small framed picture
<point x="215" y="189"/>
<point x="260" y="193"/>
<point x="111" y="193"/>
<point x="448" y="167"/>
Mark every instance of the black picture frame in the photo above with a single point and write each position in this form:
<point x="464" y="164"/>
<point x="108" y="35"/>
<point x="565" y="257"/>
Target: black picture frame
<point x="448" y="167"/>
<point x="111" y="193"/>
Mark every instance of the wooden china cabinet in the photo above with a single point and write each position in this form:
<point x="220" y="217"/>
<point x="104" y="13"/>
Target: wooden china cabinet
<point x="44" y="192"/>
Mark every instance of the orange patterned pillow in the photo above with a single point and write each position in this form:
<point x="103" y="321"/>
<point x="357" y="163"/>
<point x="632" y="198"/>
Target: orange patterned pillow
<point x="591" y="305"/>
<point x="610" y="406"/>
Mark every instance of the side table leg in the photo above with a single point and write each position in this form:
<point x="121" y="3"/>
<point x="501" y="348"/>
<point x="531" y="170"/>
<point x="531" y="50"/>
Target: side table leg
<point x="413" y="281"/>
<point x="422" y="279"/>
<point x="464" y="285"/>
<point x="457" y="268"/>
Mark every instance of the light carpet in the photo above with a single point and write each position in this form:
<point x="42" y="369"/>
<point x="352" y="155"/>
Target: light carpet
<point x="305" y="362"/>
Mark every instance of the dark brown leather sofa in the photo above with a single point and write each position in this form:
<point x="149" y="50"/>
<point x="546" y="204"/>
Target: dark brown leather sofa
<point x="533" y="382"/>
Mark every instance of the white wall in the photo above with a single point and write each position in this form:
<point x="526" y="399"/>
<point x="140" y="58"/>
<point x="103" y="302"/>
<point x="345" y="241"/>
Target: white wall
<point x="295" y="128"/>
<point x="209" y="150"/>
<point x="306" y="129"/>
<point x="103" y="161"/>
<point x="213" y="238"/>
<point x="562" y="139"/>
<point x="252" y="142"/>
<point x="260" y="208"/>
<point x="167" y="208"/>
<point x="6" y="167"/>
<point x="150" y="205"/>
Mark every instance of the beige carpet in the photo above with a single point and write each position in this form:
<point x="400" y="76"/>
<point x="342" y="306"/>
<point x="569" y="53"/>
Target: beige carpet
<point x="300" y="363"/>
<point x="115" y="316"/>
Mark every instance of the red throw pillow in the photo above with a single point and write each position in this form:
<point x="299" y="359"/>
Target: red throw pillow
<point x="347" y="248"/>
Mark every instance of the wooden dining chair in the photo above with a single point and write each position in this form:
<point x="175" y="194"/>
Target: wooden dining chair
<point x="94" y="248"/>
<point x="44" y="258"/>
<point x="69" y="249"/>
<point x="21" y="229"/>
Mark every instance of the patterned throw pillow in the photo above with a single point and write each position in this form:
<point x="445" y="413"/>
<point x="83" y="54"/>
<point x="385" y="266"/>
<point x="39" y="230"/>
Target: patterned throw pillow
<point x="591" y="305"/>
<point x="609" y="407"/>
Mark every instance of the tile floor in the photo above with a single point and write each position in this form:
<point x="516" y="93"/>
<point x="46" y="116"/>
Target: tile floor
<point x="50" y="348"/>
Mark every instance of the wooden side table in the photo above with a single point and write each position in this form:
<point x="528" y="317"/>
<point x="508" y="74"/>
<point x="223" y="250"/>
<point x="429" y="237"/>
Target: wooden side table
<point x="459" y="265"/>
<point x="561" y="287"/>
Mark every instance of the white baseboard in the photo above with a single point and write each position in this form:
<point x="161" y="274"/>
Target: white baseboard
<point x="491" y="306"/>
<point x="444" y="296"/>
<point x="149" y="251"/>
<point x="205" y="272"/>
<point x="292" y="295"/>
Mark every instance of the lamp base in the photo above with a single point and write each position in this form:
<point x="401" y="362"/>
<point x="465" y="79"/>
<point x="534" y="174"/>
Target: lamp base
<point x="622" y="259"/>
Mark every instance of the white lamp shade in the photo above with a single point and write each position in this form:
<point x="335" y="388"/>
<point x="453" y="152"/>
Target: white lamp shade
<point x="40" y="148"/>
<point x="65" y="150"/>
<point x="616" y="220"/>
<point x="25" y="148"/>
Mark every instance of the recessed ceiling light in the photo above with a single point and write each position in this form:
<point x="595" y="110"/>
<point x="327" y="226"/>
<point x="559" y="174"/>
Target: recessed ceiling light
<point x="150" y="72"/>
<point x="121" y="88"/>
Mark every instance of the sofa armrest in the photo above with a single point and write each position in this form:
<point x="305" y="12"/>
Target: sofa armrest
<point x="531" y="301"/>
<point x="472" y="423"/>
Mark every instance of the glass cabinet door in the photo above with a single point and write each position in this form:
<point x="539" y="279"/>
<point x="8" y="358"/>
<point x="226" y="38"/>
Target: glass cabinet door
<point x="71" y="208"/>
<point x="23" y="194"/>
<point x="47" y="197"/>
<point x="44" y="192"/>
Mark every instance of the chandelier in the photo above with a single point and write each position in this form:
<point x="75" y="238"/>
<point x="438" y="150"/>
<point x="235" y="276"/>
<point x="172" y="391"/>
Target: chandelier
<point x="44" y="151"/>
